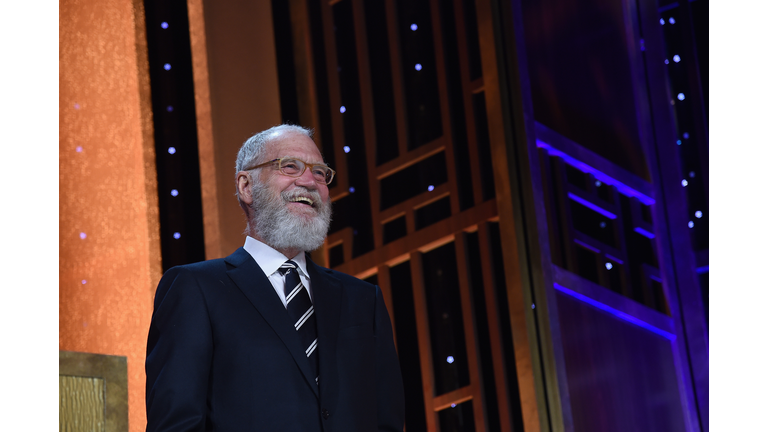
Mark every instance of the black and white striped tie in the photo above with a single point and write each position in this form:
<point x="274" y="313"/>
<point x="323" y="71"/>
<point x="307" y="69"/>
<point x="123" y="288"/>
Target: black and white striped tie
<point x="301" y="312"/>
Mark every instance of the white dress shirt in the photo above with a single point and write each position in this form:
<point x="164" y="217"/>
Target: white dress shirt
<point x="270" y="261"/>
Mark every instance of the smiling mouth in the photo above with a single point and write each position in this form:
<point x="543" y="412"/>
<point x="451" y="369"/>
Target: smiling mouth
<point x="303" y="200"/>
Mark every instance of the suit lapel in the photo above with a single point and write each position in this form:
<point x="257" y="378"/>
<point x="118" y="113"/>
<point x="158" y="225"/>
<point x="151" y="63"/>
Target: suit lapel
<point x="252" y="281"/>
<point x="327" y="297"/>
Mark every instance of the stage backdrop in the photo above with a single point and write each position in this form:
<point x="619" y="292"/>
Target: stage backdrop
<point x="109" y="253"/>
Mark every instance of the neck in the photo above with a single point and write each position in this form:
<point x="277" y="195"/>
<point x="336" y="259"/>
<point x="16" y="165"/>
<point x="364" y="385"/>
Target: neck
<point x="289" y="253"/>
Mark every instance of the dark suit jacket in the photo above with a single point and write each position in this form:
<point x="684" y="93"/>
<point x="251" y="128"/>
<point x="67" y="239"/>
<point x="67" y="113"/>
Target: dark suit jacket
<point x="222" y="354"/>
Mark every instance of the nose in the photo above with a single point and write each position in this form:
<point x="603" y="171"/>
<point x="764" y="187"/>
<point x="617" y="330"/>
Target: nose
<point x="306" y="180"/>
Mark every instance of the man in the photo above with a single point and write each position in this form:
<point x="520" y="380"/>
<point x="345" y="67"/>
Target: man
<point x="264" y="339"/>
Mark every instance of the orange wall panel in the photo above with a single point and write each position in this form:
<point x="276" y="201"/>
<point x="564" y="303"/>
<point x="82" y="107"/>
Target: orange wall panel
<point x="109" y="244"/>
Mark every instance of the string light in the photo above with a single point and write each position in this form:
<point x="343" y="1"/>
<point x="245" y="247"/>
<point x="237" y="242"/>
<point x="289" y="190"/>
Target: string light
<point x="661" y="21"/>
<point x="608" y="265"/>
<point x="676" y="58"/>
<point x="449" y="359"/>
<point x="171" y="150"/>
<point x="343" y="109"/>
<point x="414" y="27"/>
<point x="671" y="20"/>
<point x="164" y="25"/>
<point x="430" y="188"/>
<point x="167" y="66"/>
<point x="684" y="182"/>
<point x="174" y="192"/>
<point x="690" y="224"/>
<point x="680" y="96"/>
<point x="170" y="108"/>
<point x="78" y="149"/>
<point x="176" y="235"/>
<point x="699" y="214"/>
<point x="418" y="66"/>
<point x="346" y="149"/>
<point x="83" y="236"/>
<point x="351" y="190"/>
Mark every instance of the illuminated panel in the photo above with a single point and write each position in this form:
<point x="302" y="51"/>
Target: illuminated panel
<point x="623" y="315"/>
<point x="109" y="245"/>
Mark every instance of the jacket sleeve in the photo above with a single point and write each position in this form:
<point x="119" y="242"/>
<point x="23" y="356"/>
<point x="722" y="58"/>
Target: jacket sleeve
<point x="390" y="398"/>
<point x="179" y="352"/>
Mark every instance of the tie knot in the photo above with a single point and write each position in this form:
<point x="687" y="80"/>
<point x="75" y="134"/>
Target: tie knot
<point x="286" y="267"/>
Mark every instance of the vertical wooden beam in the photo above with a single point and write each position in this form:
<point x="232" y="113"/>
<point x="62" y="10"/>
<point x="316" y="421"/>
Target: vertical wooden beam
<point x="401" y="120"/>
<point x="425" y="347"/>
<point x="470" y="333"/>
<point x="334" y="94"/>
<point x="466" y="90"/>
<point x="369" y="121"/>
<point x="445" y="112"/>
<point x="205" y="146"/>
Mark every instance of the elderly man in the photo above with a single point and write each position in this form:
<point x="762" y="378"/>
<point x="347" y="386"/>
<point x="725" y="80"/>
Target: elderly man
<point x="264" y="339"/>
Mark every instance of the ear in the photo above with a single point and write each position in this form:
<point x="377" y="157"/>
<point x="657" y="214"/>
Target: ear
<point x="244" y="186"/>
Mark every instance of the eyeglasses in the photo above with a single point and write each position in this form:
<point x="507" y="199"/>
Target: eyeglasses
<point x="293" y="167"/>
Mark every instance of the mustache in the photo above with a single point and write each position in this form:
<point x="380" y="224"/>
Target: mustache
<point x="301" y="191"/>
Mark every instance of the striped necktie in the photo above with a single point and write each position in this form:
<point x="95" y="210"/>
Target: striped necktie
<point x="301" y="312"/>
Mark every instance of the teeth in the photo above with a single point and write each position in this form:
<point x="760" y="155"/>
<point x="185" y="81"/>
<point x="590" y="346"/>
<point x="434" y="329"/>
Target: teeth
<point x="304" y="200"/>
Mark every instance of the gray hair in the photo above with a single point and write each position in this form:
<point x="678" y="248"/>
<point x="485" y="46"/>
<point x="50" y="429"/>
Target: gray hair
<point x="253" y="148"/>
<point x="252" y="151"/>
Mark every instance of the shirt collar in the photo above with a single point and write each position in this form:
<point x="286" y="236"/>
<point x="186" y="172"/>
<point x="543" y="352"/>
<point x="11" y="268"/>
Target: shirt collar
<point x="269" y="259"/>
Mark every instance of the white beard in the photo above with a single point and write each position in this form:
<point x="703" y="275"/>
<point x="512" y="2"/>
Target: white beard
<point x="280" y="228"/>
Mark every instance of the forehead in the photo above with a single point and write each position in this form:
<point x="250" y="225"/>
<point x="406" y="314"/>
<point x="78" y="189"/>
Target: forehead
<point x="290" y="143"/>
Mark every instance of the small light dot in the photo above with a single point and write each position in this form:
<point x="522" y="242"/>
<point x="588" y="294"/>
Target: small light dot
<point x="608" y="265"/>
<point x="690" y="224"/>
<point x="598" y="183"/>
<point x="666" y="61"/>
<point x="170" y="108"/>
<point x="418" y="66"/>
<point x="167" y="66"/>
<point x="684" y="182"/>
<point x="680" y="96"/>
<point x="699" y="214"/>
<point x="453" y="405"/>
<point x="174" y="192"/>
<point x="691" y="174"/>
<point x="685" y="135"/>
<point x="449" y="359"/>
<point x="533" y="306"/>
<point x="414" y="27"/>
<point x="430" y="188"/>
<point x="78" y="149"/>
<point x="164" y="25"/>
<point x="176" y="235"/>
<point x="351" y="190"/>
<point x="82" y="235"/>
<point x="676" y="58"/>
<point x="602" y="225"/>
<point x="171" y="150"/>
<point x="346" y="149"/>
<point x="661" y="21"/>
<point x="671" y="20"/>
<point x="679" y="142"/>
<point x="83" y="281"/>
<point x="77" y="106"/>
